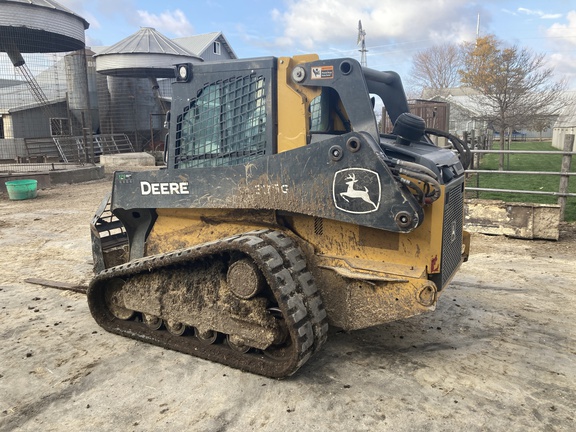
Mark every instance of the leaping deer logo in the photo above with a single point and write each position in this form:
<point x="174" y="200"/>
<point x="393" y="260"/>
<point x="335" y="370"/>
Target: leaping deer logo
<point x="356" y="193"/>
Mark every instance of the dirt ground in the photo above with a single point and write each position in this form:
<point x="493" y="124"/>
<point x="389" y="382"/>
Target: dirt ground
<point x="499" y="353"/>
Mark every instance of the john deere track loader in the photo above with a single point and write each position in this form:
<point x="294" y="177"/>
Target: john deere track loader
<point x="281" y="210"/>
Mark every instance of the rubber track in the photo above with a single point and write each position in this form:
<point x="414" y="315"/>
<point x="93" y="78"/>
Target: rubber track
<point x="284" y="267"/>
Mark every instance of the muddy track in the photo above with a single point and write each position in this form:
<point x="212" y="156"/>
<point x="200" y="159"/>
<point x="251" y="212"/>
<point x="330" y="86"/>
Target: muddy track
<point x="282" y="264"/>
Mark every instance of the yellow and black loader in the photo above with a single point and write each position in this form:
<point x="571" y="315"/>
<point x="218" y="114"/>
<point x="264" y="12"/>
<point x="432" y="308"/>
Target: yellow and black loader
<point x="281" y="210"/>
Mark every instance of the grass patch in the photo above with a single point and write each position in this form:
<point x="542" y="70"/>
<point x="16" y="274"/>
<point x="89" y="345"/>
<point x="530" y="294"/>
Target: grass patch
<point x="515" y="162"/>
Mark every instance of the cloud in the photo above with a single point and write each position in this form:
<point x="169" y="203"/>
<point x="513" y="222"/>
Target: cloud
<point x="564" y="34"/>
<point x="172" y="22"/>
<point x="539" y="13"/>
<point x="315" y="25"/>
<point x="564" y="67"/>
<point x="509" y="12"/>
<point x="562" y="37"/>
<point x="107" y="10"/>
<point x="93" y="42"/>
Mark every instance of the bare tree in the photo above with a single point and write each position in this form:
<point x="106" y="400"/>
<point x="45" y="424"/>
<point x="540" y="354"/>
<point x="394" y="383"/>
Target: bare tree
<point x="515" y="87"/>
<point x="541" y="124"/>
<point x="437" y="67"/>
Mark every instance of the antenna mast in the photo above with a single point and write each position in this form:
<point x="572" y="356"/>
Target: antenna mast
<point x="362" y="42"/>
<point x="478" y="26"/>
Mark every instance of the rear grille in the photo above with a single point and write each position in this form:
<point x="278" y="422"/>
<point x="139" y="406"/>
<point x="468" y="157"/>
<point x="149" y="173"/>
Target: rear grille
<point x="452" y="231"/>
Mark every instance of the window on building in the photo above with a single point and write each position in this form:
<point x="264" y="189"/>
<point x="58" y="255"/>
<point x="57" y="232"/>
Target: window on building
<point x="1" y="127"/>
<point x="217" y="48"/>
<point x="59" y="126"/>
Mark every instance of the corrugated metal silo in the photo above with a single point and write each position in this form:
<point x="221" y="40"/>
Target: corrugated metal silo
<point x="133" y="67"/>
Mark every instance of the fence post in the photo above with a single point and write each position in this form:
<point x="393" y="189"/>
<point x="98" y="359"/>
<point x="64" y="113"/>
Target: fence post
<point x="564" y="179"/>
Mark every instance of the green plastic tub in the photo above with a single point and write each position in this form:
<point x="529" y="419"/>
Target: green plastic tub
<point x="22" y="189"/>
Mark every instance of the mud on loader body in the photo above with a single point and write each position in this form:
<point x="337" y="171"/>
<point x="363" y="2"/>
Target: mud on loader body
<point x="281" y="210"/>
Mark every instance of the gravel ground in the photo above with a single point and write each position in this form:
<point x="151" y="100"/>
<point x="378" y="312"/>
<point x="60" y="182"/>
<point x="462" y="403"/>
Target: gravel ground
<point x="499" y="353"/>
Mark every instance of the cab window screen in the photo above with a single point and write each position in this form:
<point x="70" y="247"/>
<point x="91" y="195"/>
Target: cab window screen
<point x="224" y="125"/>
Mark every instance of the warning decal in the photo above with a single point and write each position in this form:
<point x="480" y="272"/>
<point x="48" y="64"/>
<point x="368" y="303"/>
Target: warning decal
<point x="322" y="72"/>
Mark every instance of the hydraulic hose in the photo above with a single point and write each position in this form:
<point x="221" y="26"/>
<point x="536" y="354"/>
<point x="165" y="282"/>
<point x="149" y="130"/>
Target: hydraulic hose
<point x="415" y="167"/>
<point x="414" y="187"/>
<point x="426" y="179"/>
<point x="463" y="149"/>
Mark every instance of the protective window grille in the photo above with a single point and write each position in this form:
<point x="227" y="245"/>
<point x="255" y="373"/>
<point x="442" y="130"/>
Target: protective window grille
<point x="224" y="125"/>
<point x="316" y="114"/>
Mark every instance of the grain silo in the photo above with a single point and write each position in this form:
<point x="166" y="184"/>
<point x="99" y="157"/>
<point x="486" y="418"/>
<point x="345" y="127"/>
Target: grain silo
<point x="133" y="92"/>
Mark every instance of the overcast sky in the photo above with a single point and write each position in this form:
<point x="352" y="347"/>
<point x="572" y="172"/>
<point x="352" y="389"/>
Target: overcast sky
<point x="395" y="29"/>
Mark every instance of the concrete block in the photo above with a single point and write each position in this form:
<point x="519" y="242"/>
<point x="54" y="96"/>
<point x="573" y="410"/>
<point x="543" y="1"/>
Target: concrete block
<point x="77" y="175"/>
<point x="127" y="161"/>
<point x="520" y="220"/>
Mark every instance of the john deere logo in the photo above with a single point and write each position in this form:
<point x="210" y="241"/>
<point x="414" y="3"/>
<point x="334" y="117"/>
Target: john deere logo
<point x="356" y="190"/>
<point x="453" y="233"/>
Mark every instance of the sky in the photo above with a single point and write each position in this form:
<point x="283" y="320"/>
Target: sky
<point x="395" y="29"/>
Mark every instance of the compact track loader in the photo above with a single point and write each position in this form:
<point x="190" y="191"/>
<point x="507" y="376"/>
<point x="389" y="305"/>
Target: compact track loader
<point x="281" y="210"/>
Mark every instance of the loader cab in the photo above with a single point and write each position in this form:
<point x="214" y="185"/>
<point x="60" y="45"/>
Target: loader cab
<point x="229" y="113"/>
